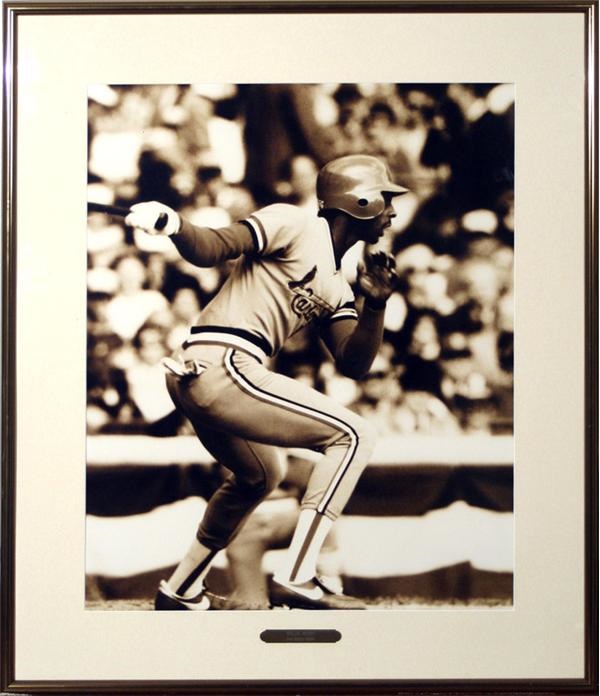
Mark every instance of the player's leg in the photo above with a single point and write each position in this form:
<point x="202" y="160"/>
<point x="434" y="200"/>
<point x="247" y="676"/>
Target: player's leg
<point x="242" y="398"/>
<point x="256" y="470"/>
<point x="275" y="409"/>
<point x="267" y="407"/>
<point x="270" y="526"/>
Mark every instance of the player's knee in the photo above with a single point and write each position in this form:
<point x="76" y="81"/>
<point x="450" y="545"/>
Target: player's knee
<point x="273" y="476"/>
<point x="253" y="490"/>
<point x="367" y="437"/>
<point x="265" y="482"/>
<point x="360" y="435"/>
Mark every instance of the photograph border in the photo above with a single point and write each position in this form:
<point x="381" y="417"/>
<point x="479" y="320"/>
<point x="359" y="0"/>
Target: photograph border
<point x="8" y="684"/>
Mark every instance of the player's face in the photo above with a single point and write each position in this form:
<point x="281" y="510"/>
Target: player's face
<point x="373" y="230"/>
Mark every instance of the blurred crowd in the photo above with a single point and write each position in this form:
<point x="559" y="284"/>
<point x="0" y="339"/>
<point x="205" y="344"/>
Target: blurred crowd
<point x="216" y="153"/>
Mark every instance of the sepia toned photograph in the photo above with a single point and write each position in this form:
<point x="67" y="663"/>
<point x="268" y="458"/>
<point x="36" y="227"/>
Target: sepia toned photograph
<point x="300" y="333"/>
<point x="300" y="305"/>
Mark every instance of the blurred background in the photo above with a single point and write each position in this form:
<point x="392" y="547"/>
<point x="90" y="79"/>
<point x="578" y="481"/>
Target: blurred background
<point x="441" y="390"/>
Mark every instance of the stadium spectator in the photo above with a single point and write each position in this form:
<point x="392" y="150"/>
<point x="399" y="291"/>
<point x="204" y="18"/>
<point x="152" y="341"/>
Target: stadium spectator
<point x="192" y="145"/>
<point x="145" y="381"/>
<point x="127" y="311"/>
<point x="297" y="185"/>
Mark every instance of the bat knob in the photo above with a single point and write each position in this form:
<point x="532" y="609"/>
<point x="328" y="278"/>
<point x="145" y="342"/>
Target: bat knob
<point x="161" y="221"/>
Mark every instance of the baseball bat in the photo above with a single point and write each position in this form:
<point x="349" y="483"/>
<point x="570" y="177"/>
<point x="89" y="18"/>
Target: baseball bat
<point x="117" y="211"/>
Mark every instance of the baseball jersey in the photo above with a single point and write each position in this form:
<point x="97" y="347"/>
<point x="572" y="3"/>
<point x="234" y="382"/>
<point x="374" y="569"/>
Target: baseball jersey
<point x="285" y="278"/>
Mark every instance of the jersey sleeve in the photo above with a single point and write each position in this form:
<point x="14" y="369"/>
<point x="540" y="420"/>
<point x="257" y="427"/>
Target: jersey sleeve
<point x="345" y="310"/>
<point x="205" y="246"/>
<point x="274" y="228"/>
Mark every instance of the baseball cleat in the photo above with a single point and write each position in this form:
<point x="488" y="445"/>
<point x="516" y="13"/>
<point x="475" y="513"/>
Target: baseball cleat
<point x="313" y="594"/>
<point x="167" y="600"/>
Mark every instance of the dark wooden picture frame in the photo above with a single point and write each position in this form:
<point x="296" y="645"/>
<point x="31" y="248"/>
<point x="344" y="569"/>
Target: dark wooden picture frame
<point x="10" y="681"/>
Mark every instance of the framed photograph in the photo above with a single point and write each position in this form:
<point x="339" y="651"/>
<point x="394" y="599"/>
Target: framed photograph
<point x="300" y="333"/>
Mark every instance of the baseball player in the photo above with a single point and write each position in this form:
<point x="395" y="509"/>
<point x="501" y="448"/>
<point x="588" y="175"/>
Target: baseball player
<point x="287" y="274"/>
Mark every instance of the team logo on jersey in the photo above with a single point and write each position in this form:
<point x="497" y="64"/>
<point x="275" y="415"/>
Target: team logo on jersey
<point x="306" y="304"/>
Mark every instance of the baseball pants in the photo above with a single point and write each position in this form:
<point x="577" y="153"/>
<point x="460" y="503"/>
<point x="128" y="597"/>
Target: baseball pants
<point x="242" y="413"/>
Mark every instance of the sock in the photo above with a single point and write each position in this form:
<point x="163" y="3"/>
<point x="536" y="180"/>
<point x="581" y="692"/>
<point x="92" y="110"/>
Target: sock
<point x="187" y="579"/>
<point x="309" y="535"/>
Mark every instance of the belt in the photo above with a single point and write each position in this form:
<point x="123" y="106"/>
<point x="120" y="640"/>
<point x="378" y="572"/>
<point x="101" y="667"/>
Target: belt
<point x="251" y="343"/>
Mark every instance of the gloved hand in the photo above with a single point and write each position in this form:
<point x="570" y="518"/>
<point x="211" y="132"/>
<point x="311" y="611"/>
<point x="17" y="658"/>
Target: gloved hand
<point x="154" y="218"/>
<point x="377" y="278"/>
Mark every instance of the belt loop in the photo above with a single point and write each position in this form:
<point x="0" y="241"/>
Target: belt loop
<point x="194" y="367"/>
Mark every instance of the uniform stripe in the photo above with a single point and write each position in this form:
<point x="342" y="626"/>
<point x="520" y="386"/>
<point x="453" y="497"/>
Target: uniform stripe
<point x="346" y="311"/>
<point x="310" y="535"/>
<point x="343" y="314"/>
<point x="195" y="574"/>
<point x="258" y="340"/>
<point x="261" y="235"/>
<point x="225" y="341"/>
<point x="282" y="402"/>
<point x="254" y="234"/>
<point x="262" y="232"/>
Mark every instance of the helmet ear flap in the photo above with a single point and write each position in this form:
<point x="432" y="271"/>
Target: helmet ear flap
<point x="367" y="206"/>
<point x="363" y="206"/>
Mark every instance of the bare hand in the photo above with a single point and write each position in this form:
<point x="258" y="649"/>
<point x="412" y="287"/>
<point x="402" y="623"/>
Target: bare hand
<point x="377" y="277"/>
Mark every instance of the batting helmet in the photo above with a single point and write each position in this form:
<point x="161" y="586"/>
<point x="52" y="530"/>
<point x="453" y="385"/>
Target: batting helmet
<point x="355" y="184"/>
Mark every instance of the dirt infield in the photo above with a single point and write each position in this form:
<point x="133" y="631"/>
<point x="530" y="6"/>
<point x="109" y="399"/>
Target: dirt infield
<point x="380" y="603"/>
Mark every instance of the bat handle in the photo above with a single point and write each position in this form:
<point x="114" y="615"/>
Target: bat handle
<point x="161" y="221"/>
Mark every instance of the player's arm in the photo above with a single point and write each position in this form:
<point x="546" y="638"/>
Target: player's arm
<point x="270" y="230"/>
<point x="205" y="246"/>
<point x="202" y="246"/>
<point x="355" y="340"/>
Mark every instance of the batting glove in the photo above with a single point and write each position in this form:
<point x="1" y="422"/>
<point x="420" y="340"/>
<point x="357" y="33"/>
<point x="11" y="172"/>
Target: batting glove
<point x="154" y="218"/>
<point x="377" y="278"/>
